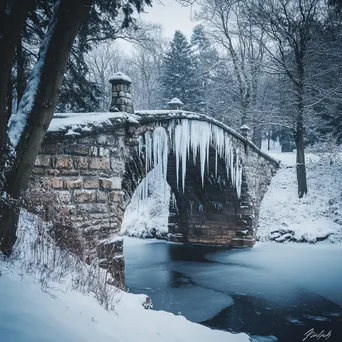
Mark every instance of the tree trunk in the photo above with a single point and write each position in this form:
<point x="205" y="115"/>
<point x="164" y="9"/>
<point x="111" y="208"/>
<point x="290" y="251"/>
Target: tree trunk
<point x="42" y="90"/>
<point x="300" y="161"/>
<point x="11" y="23"/>
<point x="21" y="78"/>
<point x="299" y="136"/>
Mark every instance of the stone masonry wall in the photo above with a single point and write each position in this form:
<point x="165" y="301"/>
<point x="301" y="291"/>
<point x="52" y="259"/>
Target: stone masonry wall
<point x="86" y="175"/>
<point x="94" y="174"/>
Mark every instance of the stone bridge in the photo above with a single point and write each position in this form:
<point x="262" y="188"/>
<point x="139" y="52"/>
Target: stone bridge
<point x="95" y="161"/>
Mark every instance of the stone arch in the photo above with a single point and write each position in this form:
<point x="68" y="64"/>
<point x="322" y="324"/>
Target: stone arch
<point x="95" y="167"/>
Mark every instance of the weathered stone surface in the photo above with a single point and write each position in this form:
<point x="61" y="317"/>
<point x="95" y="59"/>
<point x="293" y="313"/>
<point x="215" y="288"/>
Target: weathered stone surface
<point x="82" y="150"/>
<point x="43" y="160"/>
<point x="104" y="152"/>
<point x="92" y="208"/>
<point x="63" y="162"/>
<point x="37" y="171"/>
<point x="97" y="173"/>
<point x="73" y="183"/>
<point x="52" y="172"/>
<point x="105" y="183"/>
<point x="91" y="182"/>
<point x="101" y="163"/>
<point x="84" y="196"/>
<point x="64" y="197"/>
<point x="115" y="196"/>
<point x="81" y="162"/>
<point x="101" y="196"/>
<point x="69" y="172"/>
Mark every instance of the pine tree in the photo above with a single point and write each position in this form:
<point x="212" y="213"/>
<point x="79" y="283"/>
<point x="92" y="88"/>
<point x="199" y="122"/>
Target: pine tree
<point x="206" y="60"/>
<point x="179" y="74"/>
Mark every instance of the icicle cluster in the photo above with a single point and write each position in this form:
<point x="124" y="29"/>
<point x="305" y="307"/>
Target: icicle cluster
<point x="156" y="154"/>
<point x="196" y="137"/>
<point x="189" y="137"/>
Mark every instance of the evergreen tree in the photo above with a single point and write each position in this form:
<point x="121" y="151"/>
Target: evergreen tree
<point x="179" y="74"/>
<point x="206" y="61"/>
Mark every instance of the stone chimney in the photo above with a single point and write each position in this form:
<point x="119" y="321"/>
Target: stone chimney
<point x="175" y="104"/>
<point x="121" y="93"/>
<point x="245" y="131"/>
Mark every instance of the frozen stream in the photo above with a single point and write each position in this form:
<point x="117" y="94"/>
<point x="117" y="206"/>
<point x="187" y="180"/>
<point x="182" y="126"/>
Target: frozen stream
<point x="279" y="290"/>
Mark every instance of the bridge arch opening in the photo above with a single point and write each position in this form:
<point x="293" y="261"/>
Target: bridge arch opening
<point x="204" y="171"/>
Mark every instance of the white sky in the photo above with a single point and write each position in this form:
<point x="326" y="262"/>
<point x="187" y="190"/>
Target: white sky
<point x="171" y="15"/>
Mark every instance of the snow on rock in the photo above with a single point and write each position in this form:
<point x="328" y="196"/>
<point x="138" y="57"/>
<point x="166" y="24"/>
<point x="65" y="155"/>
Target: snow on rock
<point x="84" y="121"/>
<point x="175" y="100"/>
<point x="314" y="218"/>
<point x="120" y="76"/>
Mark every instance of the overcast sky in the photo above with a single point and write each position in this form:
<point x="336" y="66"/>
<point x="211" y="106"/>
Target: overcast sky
<point x="171" y="15"/>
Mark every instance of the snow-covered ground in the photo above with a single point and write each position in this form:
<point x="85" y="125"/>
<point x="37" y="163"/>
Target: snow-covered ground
<point x="148" y="217"/>
<point x="62" y="314"/>
<point x="315" y="217"/>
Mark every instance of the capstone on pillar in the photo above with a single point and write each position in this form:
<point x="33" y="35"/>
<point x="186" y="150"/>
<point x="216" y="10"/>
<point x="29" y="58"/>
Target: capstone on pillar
<point x="175" y="104"/>
<point x="121" y="93"/>
<point x="245" y="131"/>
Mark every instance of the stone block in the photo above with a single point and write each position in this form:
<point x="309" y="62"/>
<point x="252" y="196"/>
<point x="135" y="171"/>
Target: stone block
<point x="88" y="208"/>
<point x="101" y="163"/>
<point x="88" y="173"/>
<point x="91" y="182"/>
<point x="102" y="139"/>
<point x="43" y="160"/>
<point x="66" y="172"/>
<point x="52" y="149"/>
<point x="104" y="152"/>
<point x="38" y="172"/>
<point x="72" y="183"/>
<point x="52" y="172"/>
<point x="84" y="196"/>
<point x="64" y="197"/>
<point x="105" y="183"/>
<point x="53" y="182"/>
<point x="81" y="150"/>
<point x="115" y="196"/>
<point x="93" y="151"/>
<point x="116" y="183"/>
<point x="63" y="162"/>
<point x="81" y="162"/>
<point x="101" y="196"/>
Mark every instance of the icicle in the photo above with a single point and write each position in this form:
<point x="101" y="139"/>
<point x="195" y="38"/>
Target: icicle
<point x="141" y="142"/>
<point x="196" y="137"/>
<point x="216" y="163"/>
<point x="177" y="149"/>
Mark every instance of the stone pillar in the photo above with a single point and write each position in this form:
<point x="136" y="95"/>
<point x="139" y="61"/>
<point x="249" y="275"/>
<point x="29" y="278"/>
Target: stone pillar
<point x="121" y="94"/>
<point x="245" y="131"/>
<point x="175" y="104"/>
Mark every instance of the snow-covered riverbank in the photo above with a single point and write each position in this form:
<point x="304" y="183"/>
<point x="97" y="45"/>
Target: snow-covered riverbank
<point x="315" y="217"/>
<point x="59" y="313"/>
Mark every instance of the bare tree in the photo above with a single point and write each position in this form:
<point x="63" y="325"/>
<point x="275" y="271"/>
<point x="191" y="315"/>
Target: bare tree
<point x="231" y="28"/>
<point x="289" y="24"/>
<point x="147" y="61"/>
